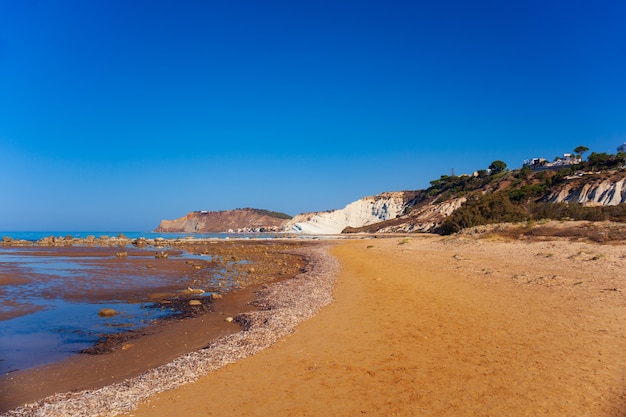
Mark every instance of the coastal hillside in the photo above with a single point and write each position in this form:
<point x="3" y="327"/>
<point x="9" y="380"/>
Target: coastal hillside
<point x="594" y="190"/>
<point x="512" y="197"/>
<point x="238" y="220"/>
<point x="366" y="211"/>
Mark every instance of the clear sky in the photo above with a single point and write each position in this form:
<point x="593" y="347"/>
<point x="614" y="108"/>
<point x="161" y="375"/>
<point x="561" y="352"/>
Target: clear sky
<point x="115" y="114"/>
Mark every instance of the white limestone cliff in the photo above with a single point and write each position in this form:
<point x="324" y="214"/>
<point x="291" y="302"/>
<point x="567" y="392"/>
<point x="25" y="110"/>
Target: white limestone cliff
<point x="425" y="218"/>
<point x="363" y="212"/>
<point x="607" y="192"/>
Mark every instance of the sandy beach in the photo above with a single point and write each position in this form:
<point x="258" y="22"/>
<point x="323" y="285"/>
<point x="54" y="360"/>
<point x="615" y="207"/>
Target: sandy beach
<point x="431" y="326"/>
<point x="434" y="326"/>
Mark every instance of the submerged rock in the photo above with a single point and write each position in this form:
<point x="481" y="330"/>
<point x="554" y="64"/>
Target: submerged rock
<point x="108" y="312"/>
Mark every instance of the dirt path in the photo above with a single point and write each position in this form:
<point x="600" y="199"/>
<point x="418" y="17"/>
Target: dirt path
<point x="441" y="327"/>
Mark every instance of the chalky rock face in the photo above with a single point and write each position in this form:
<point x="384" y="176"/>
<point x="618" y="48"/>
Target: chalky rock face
<point x="606" y="192"/>
<point x="423" y="218"/>
<point x="363" y="212"/>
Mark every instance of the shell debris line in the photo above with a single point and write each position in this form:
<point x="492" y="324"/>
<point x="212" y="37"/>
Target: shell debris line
<point x="283" y="305"/>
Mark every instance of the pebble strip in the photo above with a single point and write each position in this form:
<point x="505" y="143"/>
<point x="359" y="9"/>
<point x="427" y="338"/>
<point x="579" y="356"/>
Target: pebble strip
<point x="283" y="306"/>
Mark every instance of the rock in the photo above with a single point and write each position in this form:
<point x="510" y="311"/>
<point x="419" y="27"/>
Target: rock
<point x="140" y="242"/>
<point x="363" y="212"/>
<point x="195" y="302"/>
<point x="592" y="191"/>
<point x="216" y="296"/>
<point x="108" y="312"/>
<point x="229" y="319"/>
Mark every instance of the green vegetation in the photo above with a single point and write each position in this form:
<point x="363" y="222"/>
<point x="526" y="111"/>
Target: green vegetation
<point x="497" y="167"/>
<point x="527" y="191"/>
<point x="565" y="211"/>
<point x="455" y="186"/>
<point x="481" y="209"/>
<point x="499" y="195"/>
<point x="603" y="161"/>
<point x="269" y="213"/>
<point x="519" y="195"/>
<point x="500" y="208"/>
<point x="580" y="150"/>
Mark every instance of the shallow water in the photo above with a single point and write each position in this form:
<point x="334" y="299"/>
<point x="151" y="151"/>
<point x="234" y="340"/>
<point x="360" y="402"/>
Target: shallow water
<point x="62" y="328"/>
<point x="35" y="236"/>
<point x="50" y="297"/>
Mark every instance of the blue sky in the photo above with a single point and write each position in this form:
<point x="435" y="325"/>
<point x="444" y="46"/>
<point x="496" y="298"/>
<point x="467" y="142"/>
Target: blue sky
<point x="116" y="114"/>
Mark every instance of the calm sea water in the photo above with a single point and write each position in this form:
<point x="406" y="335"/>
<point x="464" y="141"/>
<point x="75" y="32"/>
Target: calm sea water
<point x="56" y="326"/>
<point x="35" y="236"/>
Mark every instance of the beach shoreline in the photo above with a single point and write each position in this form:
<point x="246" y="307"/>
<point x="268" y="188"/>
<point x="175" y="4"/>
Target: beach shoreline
<point x="420" y="325"/>
<point x="129" y="354"/>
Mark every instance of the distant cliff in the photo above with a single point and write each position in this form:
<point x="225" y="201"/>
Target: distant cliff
<point x="363" y="212"/>
<point x="449" y="205"/>
<point x="454" y="203"/>
<point x="239" y="220"/>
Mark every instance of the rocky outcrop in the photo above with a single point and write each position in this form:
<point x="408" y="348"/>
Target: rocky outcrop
<point x="239" y="220"/>
<point x="422" y="217"/>
<point x="363" y="212"/>
<point x="592" y="189"/>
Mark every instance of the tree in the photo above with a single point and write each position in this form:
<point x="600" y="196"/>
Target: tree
<point x="600" y="160"/>
<point x="580" y="150"/>
<point x="497" y="166"/>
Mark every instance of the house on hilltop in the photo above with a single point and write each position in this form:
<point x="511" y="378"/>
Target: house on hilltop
<point x="542" y="164"/>
<point x="535" y="163"/>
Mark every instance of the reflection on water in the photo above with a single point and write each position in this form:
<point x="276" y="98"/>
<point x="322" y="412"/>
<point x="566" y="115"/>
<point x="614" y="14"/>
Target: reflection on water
<point x="50" y="298"/>
<point x="61" y="329"/>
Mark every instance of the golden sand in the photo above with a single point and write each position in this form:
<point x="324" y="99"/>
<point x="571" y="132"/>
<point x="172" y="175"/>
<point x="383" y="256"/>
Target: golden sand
<point x="419" y="326"/>
<point x="441" y="327"/>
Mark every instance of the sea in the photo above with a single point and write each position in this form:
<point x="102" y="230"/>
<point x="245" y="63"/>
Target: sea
<point x="35" y="236"/>
<point x="55" y="327"/>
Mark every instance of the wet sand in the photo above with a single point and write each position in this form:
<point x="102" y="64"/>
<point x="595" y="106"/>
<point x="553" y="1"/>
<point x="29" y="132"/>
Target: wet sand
<point x="140" y="352"/>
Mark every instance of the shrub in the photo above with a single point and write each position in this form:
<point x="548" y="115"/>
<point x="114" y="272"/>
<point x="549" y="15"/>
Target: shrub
<point x="483" y="209"/>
